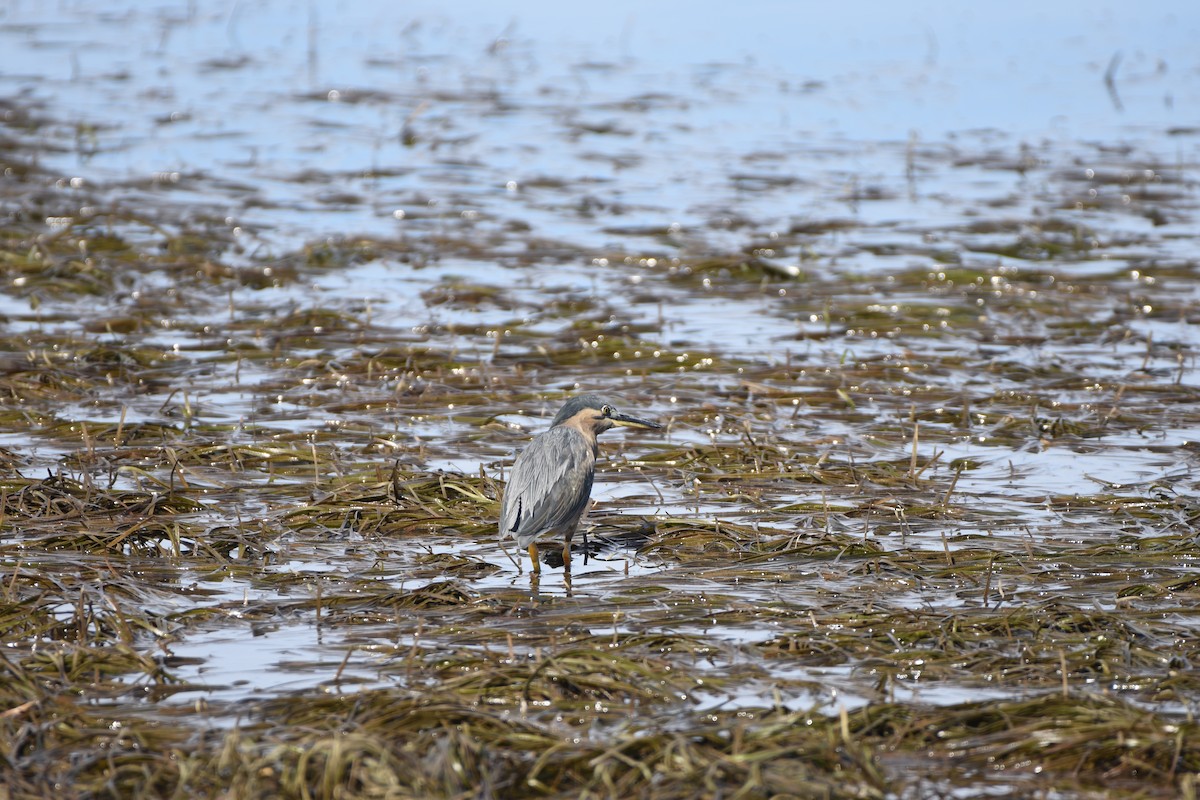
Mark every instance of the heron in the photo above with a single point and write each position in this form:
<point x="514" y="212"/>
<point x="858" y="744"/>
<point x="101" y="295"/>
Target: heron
<point x="551" y="480"/>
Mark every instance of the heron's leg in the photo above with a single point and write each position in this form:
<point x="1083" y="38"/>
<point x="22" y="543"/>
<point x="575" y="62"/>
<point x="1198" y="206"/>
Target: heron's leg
<point x="533" y="554"/>
<point x="567" y="556"/>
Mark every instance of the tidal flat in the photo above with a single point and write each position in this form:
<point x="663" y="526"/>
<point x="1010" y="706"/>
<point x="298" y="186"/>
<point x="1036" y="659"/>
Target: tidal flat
<point x="284" y="286"/>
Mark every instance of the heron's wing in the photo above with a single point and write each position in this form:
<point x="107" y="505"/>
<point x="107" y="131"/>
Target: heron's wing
<point x="548" y="487"/>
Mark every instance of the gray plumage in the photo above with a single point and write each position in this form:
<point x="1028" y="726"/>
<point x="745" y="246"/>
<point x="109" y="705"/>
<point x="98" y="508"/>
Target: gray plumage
<point x="549" y="487"/>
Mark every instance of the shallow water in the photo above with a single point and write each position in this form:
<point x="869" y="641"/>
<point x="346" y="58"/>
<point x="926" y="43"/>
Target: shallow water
<point x="801" y="237"/>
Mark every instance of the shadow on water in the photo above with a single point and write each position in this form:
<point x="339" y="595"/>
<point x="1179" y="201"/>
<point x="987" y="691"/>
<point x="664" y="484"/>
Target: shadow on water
<point x="284" y="288"/>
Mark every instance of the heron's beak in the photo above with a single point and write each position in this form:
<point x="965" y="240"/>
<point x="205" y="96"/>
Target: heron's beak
<point x="627" y="421"/>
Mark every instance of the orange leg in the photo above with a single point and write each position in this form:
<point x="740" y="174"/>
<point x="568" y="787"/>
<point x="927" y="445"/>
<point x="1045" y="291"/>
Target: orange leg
<point x="533" y="554"/>
<point x="567" y="556"/>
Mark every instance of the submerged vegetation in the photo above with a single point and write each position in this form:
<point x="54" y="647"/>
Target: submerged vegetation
<point x="922" y="523"/>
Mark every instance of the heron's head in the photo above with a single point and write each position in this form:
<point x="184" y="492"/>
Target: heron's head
<point x="594" y="413"/>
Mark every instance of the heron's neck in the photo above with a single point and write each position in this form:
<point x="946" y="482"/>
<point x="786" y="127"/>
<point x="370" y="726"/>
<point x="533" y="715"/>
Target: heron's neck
<point x="583" y="426"/>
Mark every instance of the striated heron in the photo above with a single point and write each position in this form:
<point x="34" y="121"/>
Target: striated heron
<point x="551" y="481"/>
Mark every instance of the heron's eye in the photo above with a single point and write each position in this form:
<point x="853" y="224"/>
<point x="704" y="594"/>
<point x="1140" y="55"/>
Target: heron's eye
<point x="607" y="411"/>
